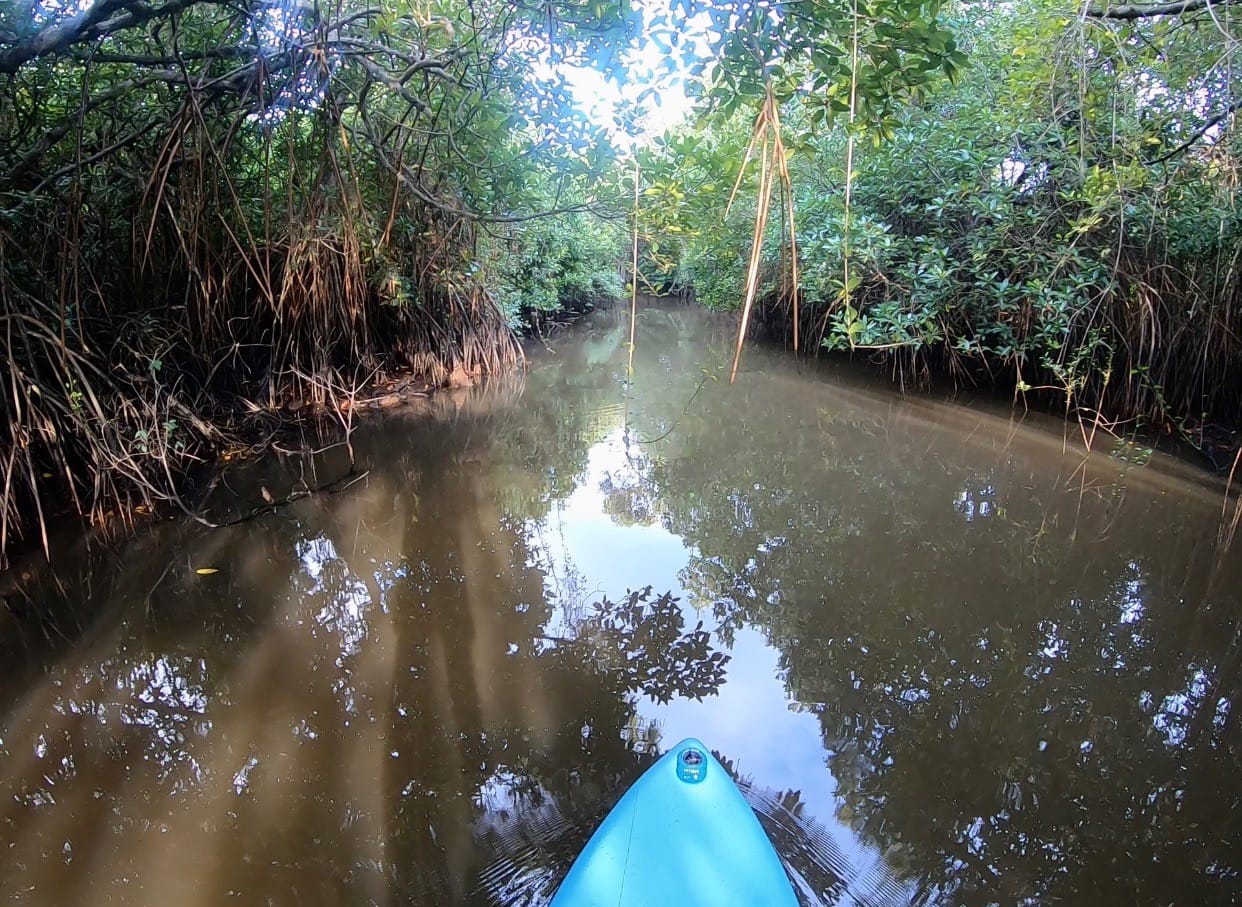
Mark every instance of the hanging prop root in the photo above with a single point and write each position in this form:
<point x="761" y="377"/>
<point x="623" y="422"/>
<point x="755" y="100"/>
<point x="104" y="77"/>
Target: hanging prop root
<point x="765" y="141"/>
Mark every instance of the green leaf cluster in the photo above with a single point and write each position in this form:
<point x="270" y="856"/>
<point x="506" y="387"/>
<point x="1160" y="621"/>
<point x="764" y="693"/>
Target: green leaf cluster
<point x="1047" y="200"/>
<point x="564" y="263"/>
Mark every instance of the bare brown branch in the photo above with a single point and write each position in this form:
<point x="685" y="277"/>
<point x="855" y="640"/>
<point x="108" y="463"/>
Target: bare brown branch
<point x="1128" y="12"/>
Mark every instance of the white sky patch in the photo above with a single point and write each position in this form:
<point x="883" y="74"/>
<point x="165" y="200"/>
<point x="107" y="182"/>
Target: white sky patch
<point x="47" y="11"/>
<point x="654" y="81"/>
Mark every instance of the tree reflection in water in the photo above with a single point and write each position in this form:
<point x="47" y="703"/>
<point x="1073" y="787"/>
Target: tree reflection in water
<point x="1018" y="669"/>
<point x="318" y="726"/>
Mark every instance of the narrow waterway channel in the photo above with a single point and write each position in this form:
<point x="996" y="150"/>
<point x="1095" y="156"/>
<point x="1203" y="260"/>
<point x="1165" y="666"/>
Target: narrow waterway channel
<point x="951" y="659"/>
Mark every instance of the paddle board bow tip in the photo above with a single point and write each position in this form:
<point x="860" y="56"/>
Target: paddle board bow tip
<point x="682" y="834"/>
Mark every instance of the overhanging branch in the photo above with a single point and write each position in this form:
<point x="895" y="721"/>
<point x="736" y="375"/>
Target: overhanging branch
<point x="1129" y="12"/>
<point x="1200" y="133"/>
<point x="53" y="135"/>
<point x="100" y="19"/>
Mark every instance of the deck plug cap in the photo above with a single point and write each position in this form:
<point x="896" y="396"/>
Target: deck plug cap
<point x="692" y="765"/>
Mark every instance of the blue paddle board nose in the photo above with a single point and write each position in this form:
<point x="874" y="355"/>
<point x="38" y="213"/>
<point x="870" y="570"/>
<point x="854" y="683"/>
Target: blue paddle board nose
<point x="684" y="835"/>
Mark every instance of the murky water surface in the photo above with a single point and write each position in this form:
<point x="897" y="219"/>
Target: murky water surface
<point x="951" y="661"/>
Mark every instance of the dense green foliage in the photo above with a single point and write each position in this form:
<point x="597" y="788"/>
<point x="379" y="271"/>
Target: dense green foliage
<point x="549" y="266"/>
<point x="1060" y="214"/>
<point x="213" y="210"/>
<point x="210" y="210"/>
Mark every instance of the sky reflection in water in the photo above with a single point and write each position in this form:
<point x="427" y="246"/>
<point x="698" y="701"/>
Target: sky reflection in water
<point x="966" y="666"/>
<point x="752" y="718"/>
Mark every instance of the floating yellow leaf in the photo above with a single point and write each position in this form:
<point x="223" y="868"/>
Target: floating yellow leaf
<point x="206" y="571"/>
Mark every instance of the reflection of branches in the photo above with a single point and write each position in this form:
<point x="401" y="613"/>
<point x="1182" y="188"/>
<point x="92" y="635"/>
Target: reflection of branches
<point x="643" y="643"/>
<point x="816" y="856"/>
<point x="685" y="409"/>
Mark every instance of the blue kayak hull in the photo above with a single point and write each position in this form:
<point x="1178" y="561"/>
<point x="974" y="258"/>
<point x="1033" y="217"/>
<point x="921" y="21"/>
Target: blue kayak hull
<point x="682" y="835"/>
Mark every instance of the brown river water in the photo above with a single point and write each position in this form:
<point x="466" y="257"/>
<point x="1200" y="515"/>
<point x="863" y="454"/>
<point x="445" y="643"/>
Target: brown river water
<point x="951" y="658"/>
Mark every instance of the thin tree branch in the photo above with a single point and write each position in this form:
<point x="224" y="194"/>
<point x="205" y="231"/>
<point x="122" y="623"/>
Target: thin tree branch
<point x="100" y="19"/>
<point x="216" y="53"/>
<point x="97" y="156"/>
<point x="1130" y="12"/>
<point x="58" y="132"/>
<point x="1219" y="118"/>
<point x="57" y="37"/>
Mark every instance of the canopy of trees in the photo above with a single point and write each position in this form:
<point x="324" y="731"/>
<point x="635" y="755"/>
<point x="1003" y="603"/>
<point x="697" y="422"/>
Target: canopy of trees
<point x="1016" y="193"/>
<point x="210" y="210"/>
